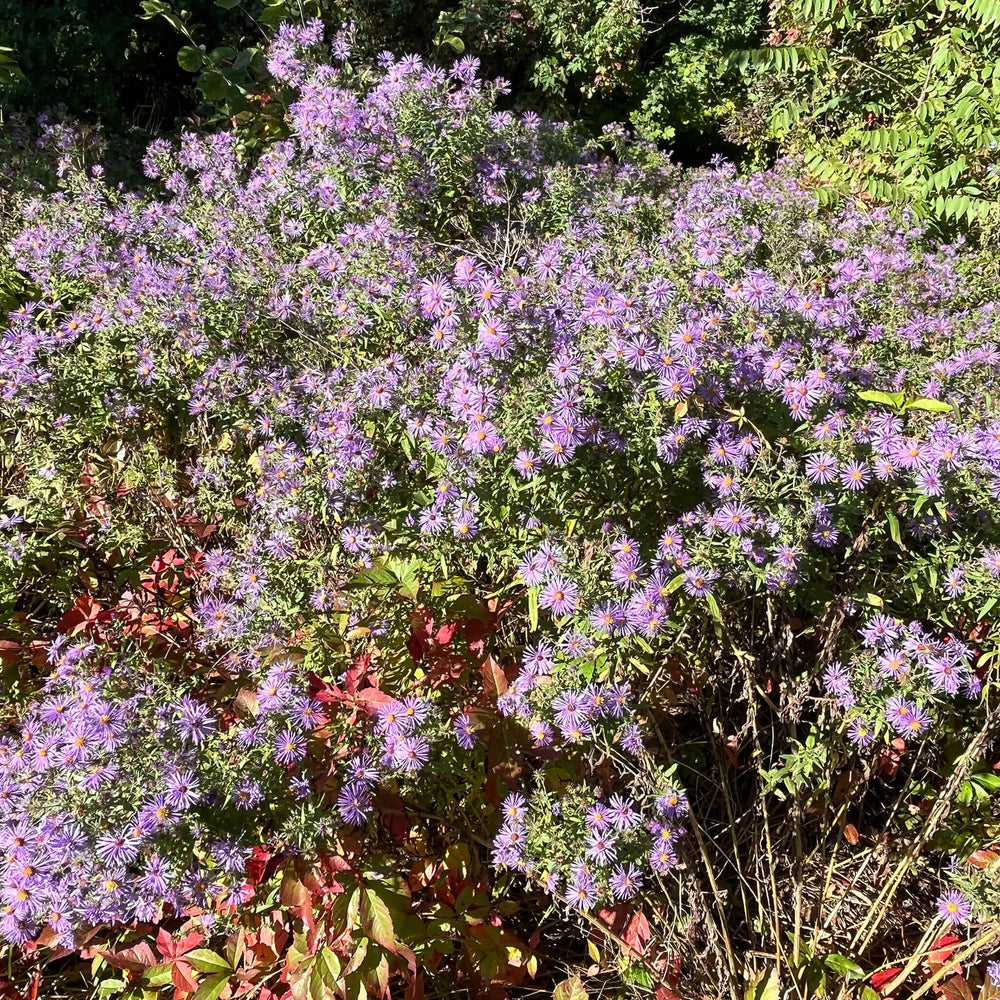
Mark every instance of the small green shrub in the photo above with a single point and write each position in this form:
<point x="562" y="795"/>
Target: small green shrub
<point x="897" y="102"/>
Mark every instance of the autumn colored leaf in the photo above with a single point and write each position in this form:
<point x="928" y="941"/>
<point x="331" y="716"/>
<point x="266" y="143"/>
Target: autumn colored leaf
<point x="570" y="989"/>
<point x="880" y="980"/>
<point x="138" y="958"/>
<point x="637" y="933"/>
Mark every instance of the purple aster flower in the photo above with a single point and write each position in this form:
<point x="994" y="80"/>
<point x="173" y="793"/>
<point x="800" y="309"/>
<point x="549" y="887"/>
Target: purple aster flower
<point x="117" y="848"/>
<point x="735" y="519"/>
<point x="465" y="733"/>
<point x="860" y="732"/>
<point x="354" y="803"/>
<point x="194" y="721"/>
<point x="621" y="814"/>
<point x="821" y="468"/>
<point x="391" y="720"/>
<point x="954" y="582"/>
<point x="412" y="753"/>
<point x="581" y="892"/>
<point x="672" y="804"/>
<point x="538" y="659"/>
<point x="183" y="790"/>
<point x="569" y="708"/>
<point x="631" y="739"/>
<point x="527" y="464"/>
<point x="625" y="881"/>
<point x="560" y="595"/>
<point x="698" y="582"/>
<point x="541" y="732"/>
<point x="881" y="631"/>
<point x="945" y="675"/>
<point x="991" y="561"/>
<point x="954" y="907"/>
<point x="662" y="857"/>
<point x="575" y="731"/>
<point x="601" y="847"/>
<point x="838" y="682"/>
<point x="597" y="817"/>
<point x="855" y="476"/>
<point x="248" y="794"/>
<point x="289" y="747"/>
<point x="514" y="808"/>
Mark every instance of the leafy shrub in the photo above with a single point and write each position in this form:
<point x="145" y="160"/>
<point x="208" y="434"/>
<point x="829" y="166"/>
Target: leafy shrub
<point x="637" y="525"/>
<point x="100" y="61"/>
<point x="894" y="101"/>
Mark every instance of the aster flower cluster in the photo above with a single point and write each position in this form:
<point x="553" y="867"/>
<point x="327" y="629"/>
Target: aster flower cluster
<point x="121" y="800"/>
<point x="898" y="670"/>
<point x="588" y="849"/>
<point x="426" y="332"/>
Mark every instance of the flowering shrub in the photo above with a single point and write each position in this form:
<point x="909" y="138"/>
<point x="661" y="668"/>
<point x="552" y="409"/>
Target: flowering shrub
<point x="537" y="489"/>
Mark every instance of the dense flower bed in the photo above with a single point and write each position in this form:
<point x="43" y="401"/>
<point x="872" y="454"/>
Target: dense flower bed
<point x="491" y="451"/>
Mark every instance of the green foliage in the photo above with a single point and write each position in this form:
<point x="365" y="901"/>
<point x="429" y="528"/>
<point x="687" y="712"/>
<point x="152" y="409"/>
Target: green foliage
<point x="10" y="72"/>
<point x="896" y="102"/>
<point x="693" y="86"/>
<point x="99" y="60"/>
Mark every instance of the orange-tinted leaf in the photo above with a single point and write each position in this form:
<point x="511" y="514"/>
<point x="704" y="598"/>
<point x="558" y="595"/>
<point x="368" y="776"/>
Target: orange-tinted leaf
<point x="138" y="958"/>
<point x="180" y="974"/>
<point x="982" y="859"/>
<point x="637" y="932"/>
<point x="956" y="988"/>
<point x="494" y="678"/>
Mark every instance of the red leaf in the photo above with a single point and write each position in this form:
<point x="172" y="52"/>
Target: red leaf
<point x="943" y="949"/>
<point x="666" y="993"/>
<point x="880" y="979"/>
<point x="494" y="678"/>
<point x="445" y="633"/>
<point x="637" y="933"/>
<point x="9" y="651"/>
<point x="956" y="988"/>
<point x="261" y="865"/>
<point x="138" y="958"/>
<point x="982" y="859"/>
<point x="371" y="698"/>
<point x="180" y="973"/>
<point x="355" y="672"/>
<point x="82" y="617"/>
<point x="172" y="950"/>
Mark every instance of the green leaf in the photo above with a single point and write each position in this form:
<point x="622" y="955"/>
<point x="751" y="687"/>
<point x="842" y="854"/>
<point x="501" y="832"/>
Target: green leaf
<point x="190" y="58"/>
<point x="227" y="4"/>
<point x="713" y="606"/>
<point x="844" y="966"/>
<point x="933" y="405"/>
<point x="893" y="399"/>
<point x="208" y="961"/>
<point x="533" y="607"/>
<point x="211" y="988"/>
<point x="894" y="531"/>
<point x="213" y="85"/>
<point x="158" y="975"/>
<point x="991" y="782"/>
<point x="376" y="921"/>
<point x="763" y="986"/>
